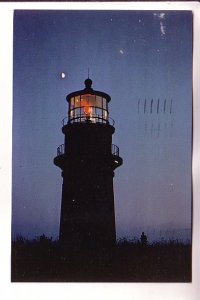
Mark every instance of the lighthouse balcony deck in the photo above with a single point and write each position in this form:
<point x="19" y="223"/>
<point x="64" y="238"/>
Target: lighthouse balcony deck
<point x="114" y="150"/>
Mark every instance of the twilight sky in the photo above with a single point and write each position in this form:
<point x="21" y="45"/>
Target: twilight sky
<point x="132" y="56"/>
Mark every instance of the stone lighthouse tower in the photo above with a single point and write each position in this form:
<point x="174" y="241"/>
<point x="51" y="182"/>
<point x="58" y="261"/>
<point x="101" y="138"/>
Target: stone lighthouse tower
<point x="88" y="160"/>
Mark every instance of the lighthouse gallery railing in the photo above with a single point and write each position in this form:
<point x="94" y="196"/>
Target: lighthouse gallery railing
<point x="61" y="150"/>
<point x="81" y="118"/>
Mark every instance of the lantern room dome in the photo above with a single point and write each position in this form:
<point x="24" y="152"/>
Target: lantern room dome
<point x="88" y="83"/>
<point x="88" y="90"/>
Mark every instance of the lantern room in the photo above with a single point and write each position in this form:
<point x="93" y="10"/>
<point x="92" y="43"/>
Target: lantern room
<point x="88" y="105"/>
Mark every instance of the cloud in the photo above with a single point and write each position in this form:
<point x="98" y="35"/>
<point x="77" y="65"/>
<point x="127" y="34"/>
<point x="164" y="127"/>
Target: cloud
<point x="159" y="15"/>
<point x="162" y="28"/>
<point x="162" y="15"/>
<point x="161" y="18"/>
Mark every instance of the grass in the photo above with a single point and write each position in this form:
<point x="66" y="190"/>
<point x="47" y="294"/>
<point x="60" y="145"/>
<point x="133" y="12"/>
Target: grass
<point x="43" y="260"/>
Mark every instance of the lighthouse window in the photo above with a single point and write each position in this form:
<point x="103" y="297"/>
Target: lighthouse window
<point x="77" y="101"/>
<point x="104" y="103"/>
<point x="99" y="112"/>
<point x="98" y="101"/>
<point x="72" y="102"/>
<point x="88" y="100"/>
<point x="72" y="113"/>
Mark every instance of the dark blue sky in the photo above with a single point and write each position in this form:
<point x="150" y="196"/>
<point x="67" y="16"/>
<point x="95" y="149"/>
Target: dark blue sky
<point x="132" y="55"/>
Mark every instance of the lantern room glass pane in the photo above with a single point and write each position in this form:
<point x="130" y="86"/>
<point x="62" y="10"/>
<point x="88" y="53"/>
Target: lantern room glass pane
<point x="88" y="100"/>
<point x="98" y="101"/>
<point x="77" y="101"/>
<point x="72" y="113"/>
<point x="104" y="103"/>
<point x="72" y="102"/>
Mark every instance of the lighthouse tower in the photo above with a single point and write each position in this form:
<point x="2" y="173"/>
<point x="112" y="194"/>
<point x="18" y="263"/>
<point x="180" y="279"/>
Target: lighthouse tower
<point x="88" y="160"/>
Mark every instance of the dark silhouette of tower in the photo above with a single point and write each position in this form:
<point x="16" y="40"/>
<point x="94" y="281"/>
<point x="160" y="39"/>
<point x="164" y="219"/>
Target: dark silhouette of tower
<point x="88" y="160"/>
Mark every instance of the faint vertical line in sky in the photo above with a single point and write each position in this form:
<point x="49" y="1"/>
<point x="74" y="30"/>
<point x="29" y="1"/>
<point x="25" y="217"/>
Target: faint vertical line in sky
<point x="151" y="105"/>
<point x="171" y="106"/>
<point x="171" y="123"/>
<point x="152" y="129"/>
<point x="145" y="128"/>
<point x="158" y="103"/>
<point x="165" y="129"/>
<point x="152" y="126"/>
<point x="171" y="129"/>
<point x="138" y="106"/>
<point x="145" y="104"/>
<point x="164" y="109"/>
<point x="158" y="132"/>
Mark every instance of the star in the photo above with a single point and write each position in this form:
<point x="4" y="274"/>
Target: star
<point x="171" y="187"/>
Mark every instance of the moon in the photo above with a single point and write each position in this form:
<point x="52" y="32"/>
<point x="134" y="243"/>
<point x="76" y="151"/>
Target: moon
<point x="63" y="75"/>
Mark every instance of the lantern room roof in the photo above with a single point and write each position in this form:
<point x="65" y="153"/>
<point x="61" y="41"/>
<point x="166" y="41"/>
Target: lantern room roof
<point x="88" y="90"/>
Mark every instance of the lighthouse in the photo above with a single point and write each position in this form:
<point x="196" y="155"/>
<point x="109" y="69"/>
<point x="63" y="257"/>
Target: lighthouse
<point x="87" y="160"/>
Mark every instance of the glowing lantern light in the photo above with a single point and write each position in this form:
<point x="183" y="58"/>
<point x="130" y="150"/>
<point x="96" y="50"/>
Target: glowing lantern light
<point x="87" y="110"/>
<point x="86" y="104"/>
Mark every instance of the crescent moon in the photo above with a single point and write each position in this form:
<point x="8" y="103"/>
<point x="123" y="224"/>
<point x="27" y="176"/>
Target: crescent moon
<point x="63" y="75"/>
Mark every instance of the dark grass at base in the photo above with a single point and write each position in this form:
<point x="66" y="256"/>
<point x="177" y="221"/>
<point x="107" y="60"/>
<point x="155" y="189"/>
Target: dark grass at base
<point x="42" y="260"/>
